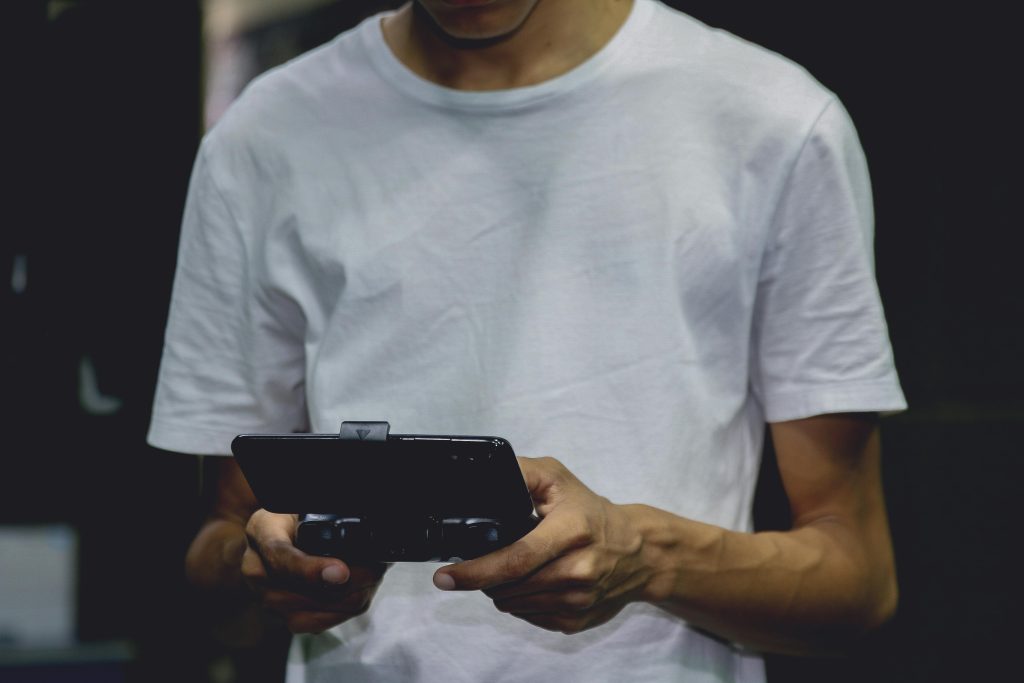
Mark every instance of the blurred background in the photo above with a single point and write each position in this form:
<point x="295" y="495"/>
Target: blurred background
<point x="106" y="101"/>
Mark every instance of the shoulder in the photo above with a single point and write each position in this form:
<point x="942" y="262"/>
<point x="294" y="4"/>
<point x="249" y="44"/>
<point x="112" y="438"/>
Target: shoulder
<point x="276" y="131"/>
<point x="741" y="84"/>
<point x="293" y="103"/>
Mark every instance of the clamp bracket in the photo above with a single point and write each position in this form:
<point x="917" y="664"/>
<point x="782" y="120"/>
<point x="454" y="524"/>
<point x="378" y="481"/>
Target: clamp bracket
<point x="364" y="431"/>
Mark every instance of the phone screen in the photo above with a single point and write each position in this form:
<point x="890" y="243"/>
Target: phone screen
<point x="447" y="476"/>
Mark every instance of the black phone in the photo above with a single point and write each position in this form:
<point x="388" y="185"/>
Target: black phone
<point x="390" y="497"/>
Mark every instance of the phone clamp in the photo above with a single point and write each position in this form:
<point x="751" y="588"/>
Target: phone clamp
<point x="364" y="431"/>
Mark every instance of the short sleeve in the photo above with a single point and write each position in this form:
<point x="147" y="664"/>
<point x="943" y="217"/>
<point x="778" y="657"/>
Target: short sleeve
<point x="820" y="340"/>
<point x="233" y="358"/>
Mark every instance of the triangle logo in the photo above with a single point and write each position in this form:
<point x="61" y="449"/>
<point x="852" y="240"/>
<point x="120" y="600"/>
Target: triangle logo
<point x="363" y="433"/>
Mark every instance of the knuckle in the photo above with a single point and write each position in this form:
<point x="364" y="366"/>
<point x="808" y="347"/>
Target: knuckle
<point x="543" y="621"/>
<point x="570" y="628"/>
<point x="362" y="607"/>
<point x="272" y="602"/>
<point x="560" y="624"/>
<point x="580" y="601"/>
<point x="584" y="571"/>
<point x="569" y="625"/>
<point x="297" y="623"/>
<point x="273" y="606"/>
<point x="580" y="535"/>
<point x="356" y="601"/>
<point x="250" y="524"/>
<point x="253" y="523"/>
<point x="553" y="465"/>
<point x="252" y="566"/>
<point x="504" y="606"/>
<point x="312" y="622"/>
<point x="285" y="602"/>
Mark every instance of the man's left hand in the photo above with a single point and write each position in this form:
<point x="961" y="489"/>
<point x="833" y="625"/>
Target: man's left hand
<point x="579" y="567"/>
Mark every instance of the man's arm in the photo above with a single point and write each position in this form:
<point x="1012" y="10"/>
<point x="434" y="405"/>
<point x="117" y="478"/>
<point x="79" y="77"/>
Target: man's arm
<point x="246" y="557"/>
<point x="811" y="590"/>
<point x="214" y="558"/>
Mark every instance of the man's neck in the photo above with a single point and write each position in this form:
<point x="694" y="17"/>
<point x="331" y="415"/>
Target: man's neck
<point x="556" y="36"/>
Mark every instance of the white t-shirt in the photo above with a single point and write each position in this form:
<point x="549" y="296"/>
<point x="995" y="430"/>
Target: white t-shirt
<point x="630" y="267"/>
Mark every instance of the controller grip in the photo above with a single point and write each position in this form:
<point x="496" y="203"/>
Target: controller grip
<point x="362" y="539"/>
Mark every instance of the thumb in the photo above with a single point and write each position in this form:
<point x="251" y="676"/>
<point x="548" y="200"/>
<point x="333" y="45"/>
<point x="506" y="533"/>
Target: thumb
<point x="271" y="536"/>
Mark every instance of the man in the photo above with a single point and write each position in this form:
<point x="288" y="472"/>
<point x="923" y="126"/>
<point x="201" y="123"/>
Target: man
<point x="598" y="229"/>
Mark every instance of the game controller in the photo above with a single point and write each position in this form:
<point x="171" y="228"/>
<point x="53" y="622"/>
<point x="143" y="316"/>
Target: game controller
<point x="430" y="539"/>
<point x="384" y="497"/>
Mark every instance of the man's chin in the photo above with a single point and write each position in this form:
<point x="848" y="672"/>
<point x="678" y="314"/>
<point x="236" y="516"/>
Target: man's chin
<point x="477" y="23"/>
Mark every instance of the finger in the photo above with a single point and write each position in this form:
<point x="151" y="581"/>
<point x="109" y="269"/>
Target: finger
<point x="366" y="574"/>
<point x="361" y="577"/>
<point x="574" y="570"/>
<point x="556" y="622"/>
<point x="557" y="602"/>
<point x="286" y="602"/>
<point x="253" y="571"/>
<point x="264" y="527"/>
<point x="533" y="470"/>
<point x="571" y="623"/>
<point x="271" y="536"/>
<point x="318" y="622"/>
<point x="553" y="537"/>
<point x="541" y="474"/>
<point x="549" y="482"/>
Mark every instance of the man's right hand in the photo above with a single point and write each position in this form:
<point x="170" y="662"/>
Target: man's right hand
<point x="311" y="593"/>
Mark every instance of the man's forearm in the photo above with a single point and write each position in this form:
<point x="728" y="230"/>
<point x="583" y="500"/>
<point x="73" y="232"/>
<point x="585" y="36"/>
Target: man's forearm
<point x="813" y="590"/>
<point x="810" y="591"/>
<point x="213" y="563"/>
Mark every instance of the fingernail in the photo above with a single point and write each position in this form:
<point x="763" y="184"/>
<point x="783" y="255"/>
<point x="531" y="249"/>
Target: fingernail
<point x="333" y="574"/>
<point x="444" y="581"/>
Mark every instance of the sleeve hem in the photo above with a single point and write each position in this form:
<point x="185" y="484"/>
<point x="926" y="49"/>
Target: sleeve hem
<point x="188" y="438"/>
<point x="885" y="398"/>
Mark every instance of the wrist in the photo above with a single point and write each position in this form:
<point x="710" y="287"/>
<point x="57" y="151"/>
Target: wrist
<point x="671" y="547"/>
<point x="657" y="552"/>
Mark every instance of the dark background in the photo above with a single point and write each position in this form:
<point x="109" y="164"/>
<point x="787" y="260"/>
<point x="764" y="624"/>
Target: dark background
<point x="104" y="116"/>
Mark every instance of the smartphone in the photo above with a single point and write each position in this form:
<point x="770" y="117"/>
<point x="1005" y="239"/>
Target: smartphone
<point x="410" y="497"/>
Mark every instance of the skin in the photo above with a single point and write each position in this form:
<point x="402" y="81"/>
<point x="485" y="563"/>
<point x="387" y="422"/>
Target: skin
<point x="810" y="590"/>
<point x="813" y="590"/>
<point x="244" y="552"/>
<point x="501" y="43"/>
<point x="464" y="44"/>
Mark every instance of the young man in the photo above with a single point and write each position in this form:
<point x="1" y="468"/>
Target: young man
<point x="599" y="229"/>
